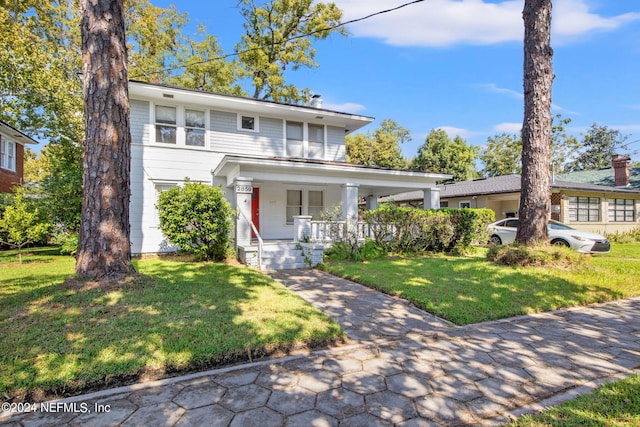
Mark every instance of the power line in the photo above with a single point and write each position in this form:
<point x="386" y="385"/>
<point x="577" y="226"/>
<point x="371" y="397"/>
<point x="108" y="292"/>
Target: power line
<point x="333" y="27"/>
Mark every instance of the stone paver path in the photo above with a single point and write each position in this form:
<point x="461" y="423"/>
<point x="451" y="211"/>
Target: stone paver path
<point x="406" y="368"/>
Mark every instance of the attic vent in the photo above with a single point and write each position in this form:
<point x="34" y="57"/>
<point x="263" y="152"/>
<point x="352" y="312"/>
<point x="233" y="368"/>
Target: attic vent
<point x="167" y="95"/>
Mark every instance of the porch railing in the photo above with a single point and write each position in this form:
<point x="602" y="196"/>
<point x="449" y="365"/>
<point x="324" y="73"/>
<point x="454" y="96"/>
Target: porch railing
<point x="331" y="231"/>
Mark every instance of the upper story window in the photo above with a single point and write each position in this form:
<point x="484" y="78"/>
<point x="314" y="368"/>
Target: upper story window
<point x="305" y="140"/>
<point x="247" y="123"/>
<point x="295" y="139"/>
<point x="8" y="155"/>
<point x="621" y="210"/>
<point x="584" y="209"/>
<point x="166" y="124"/>
<point x="316" y="141"/>
<point x="194" y="127"/>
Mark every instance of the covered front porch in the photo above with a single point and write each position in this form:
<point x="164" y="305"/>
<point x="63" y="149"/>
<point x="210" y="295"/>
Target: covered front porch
<point x="288" y="199"/>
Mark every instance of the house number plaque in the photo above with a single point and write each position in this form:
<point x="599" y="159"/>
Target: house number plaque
<point x="244" y="189"/>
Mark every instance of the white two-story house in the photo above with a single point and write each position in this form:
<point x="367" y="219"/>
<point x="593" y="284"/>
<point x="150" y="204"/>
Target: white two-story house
<point x="280" y="165"/>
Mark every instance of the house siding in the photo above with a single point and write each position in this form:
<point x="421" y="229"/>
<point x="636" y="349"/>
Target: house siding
<point x="335" y="144"/>
<point x="226" y="138"/>
<point x="8" y="178"/>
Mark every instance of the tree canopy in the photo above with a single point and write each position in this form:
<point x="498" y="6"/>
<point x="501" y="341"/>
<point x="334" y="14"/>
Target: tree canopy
<point x="379" y="148"/>
<point x="278" y="37"/>
<point x="598" y="145"/>
<point x="441" y="154"/>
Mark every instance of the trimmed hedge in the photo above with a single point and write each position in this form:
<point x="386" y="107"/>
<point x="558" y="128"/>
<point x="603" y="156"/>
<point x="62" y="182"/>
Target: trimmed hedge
<point x="411" y="230"/>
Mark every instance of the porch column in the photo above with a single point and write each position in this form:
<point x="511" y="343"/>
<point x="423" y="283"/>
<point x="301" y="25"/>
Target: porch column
<point x="243" y="189"/>
<point x="350" y="205"/>
<point x="432" y="198"/>
<point x="372" y="202"/>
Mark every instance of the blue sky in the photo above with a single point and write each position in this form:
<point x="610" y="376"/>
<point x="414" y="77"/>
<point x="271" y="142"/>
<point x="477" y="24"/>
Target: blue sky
<point x="457" y="64"/>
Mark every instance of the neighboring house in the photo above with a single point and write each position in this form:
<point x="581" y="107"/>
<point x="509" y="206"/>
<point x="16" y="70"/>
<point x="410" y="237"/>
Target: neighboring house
<point x="587" y="207"/>
<point x="12" y="143"/>
<point x="280" y="165"/>
<point x="620" y="174"/>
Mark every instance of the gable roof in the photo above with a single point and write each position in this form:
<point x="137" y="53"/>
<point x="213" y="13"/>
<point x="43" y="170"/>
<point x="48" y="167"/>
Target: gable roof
<point x="501" y="185"/>
<point x="15" y="134"/>
<point x="604" y="176"/>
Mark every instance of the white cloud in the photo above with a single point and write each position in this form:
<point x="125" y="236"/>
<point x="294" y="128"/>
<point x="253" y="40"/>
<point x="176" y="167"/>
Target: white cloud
<point x="494" y="88"/>
<point x="346" y="107"/>
<point x="508" y="128"/>
<point x="475" y="22"/>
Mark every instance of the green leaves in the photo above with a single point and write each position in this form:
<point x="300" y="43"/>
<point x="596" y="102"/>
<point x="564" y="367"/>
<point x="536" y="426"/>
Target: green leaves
<point x="442" y="155"/>
<point x="380" y="148"/>
<point x="21" y="224"/>
<point x="278" y="37"/>
<point x="197" y="218"/>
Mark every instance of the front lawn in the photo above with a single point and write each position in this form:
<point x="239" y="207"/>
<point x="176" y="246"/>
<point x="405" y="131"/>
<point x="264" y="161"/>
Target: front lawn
<point x="61" y="337"/>
<point x="470" y="289"/>
<point x="616" y="404"/>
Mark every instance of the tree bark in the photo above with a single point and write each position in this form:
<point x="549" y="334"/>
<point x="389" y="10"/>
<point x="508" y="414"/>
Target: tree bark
<point x="536" y="128"/>
<point x="104" y="249"/>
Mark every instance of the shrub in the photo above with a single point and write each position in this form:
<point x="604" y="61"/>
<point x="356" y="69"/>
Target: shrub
<point x="625" y="237"/>
<point x="411" y="230"/>
<point x="345" y="250"/>
<point x="198" y="218"/>
<point x="68" y="243"/>
<point x="517" y="255"/>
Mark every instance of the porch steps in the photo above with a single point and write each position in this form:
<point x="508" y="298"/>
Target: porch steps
<point x="282" y="256"/>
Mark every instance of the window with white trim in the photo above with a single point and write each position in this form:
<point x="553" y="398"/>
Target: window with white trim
<point x="194" y="127"/>
<point x="295" y="139"/>
<point x="463" y="205"/>
<point x="8" y="155"/>
<point x="584" y="209"/>
<point x="248" y="123"/>
<point x="294" y="204"/>
<point x="166" y="124"/>
<point x="316" y="141"/>
<point x="621" y="210"/>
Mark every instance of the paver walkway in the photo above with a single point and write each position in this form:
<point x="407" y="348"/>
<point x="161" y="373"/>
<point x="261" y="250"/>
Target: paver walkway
<point x="406" y="368"/>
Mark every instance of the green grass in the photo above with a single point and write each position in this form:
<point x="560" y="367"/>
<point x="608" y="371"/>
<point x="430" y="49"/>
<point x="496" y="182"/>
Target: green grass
<point x="612" y="405"/>
<point x="61" y="337"/>
<point x="468" y="290"/>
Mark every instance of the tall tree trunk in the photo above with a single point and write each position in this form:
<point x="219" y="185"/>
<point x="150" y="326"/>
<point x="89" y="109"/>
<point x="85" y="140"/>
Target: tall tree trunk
<point x="104" y="249"/>
<point x="536" y="128"/>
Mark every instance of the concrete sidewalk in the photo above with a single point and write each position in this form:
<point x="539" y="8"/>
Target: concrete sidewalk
<point x="406" y="368"/>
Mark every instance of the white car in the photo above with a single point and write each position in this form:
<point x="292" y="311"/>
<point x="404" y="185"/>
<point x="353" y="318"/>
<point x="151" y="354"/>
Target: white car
<point x="504" y="232"/>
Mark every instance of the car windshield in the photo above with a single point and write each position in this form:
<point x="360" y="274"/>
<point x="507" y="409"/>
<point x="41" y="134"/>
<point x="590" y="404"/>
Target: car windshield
<point x="554" y="225"/>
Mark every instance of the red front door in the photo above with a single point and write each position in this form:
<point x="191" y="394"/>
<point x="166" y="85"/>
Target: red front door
<point x="255" y="210"/>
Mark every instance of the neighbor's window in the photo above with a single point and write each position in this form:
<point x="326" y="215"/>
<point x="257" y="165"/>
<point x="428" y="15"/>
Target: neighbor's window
<point x="295" y="137"/>
<point x="315" y="204"/>
<point x="444" y="203"/>
<point x="316" y="141"/>
<point x="166" y="124"/>
<point x="584" y="209"/>
<point x="294" y="204"/>
<point x="621" y="210"/>
<point x="464" y="205"/>
<point x="248" y="123"/>
<point x="194" y="127"/>
<point x="8" y="155"/>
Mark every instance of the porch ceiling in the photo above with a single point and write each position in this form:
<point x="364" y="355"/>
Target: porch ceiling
<point x="371" y="181"/>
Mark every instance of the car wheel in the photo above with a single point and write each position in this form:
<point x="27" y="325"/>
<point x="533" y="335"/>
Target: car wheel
<point x="495" y="240"/>
<point x="560" y="242"/>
